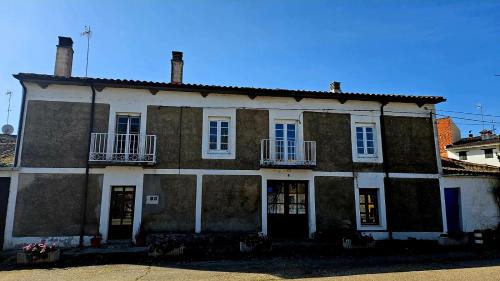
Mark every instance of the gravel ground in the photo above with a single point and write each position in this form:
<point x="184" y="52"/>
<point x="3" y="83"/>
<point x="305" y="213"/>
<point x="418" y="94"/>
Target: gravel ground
<point x="271" y="269"/>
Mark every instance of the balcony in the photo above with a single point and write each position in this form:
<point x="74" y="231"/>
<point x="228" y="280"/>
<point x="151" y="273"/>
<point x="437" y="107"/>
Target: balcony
<point x="287" y="154"/>
<point x="122" y="149"/>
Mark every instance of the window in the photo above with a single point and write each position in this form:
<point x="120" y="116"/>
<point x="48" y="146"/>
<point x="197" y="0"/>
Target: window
<point x="365" y="140"/>
<point x="368" y="206"/>
<point x="286" y="146"/>
<point x="218" y="135"/>
<point x="462" y="155"/>
<point x="488" y="153"/>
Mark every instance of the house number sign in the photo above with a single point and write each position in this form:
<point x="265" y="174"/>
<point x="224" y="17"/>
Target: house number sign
<point x="152" y="199"/>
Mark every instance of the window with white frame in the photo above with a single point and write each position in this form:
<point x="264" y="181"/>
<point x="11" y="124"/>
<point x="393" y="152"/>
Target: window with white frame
<point x="218" y="135"/>
<point x="365" y="140"/>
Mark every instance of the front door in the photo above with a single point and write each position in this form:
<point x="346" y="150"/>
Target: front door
<point x="121" y="213"/>
<point x="287" y="209"/>
<point x="452" y="203"/>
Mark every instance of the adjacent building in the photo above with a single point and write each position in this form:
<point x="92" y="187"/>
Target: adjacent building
<point x="471" y="195"/>
<point x="482" y="149"/>
<point x="110" y="156"/>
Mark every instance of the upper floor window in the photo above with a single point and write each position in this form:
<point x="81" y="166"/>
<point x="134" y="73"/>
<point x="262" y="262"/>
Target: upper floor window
<point x="218" y="137"/>
<point x="488" y="153"/>
<point x="219" y="133"/>
<point x="365" y="139"/>
<point x="462" y="155"/>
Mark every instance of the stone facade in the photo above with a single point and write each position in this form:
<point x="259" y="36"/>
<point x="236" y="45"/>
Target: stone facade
<point x="231" y="204"/>
<point x="51" y="204"/>
<point x="56" y="133"/>
<point x="176" y="209"/>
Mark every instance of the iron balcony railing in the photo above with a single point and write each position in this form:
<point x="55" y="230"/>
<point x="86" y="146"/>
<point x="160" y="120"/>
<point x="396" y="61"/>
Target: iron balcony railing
<point x="276" y="152"/>
<point x="123" y="148"/>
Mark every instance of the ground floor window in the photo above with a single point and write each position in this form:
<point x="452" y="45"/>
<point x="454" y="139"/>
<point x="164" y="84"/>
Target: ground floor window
<point x="368" y="206"/>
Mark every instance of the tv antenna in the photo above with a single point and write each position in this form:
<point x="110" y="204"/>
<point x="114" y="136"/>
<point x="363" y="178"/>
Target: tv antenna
<point x="7" y="128"/>
<point x="87" y="33"/>
<point x="480" y="107"/>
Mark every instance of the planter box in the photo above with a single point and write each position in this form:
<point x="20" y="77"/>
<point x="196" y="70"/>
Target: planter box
<point x="25" y="258"/>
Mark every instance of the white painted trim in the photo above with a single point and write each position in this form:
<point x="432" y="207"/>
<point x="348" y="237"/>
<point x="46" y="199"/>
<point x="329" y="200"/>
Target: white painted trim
<point x="198" y="202"/>
<point x="302" y="175"/>
<point x="19" y="146"/>
<point x="384" y="235"/>
<point x="219" y="113"/>
<point x="436" y="145"/>
<point x="286" y="117"/>
<point x="6" y="174"/>
<point x="417" y="235"/>
<point x="264" y="205"/>
<point x="312" y="207"/>
<point x="60" y="241"/>
<point x="29" y="170"/>
<point x="147" y="171"/>
<point x="11" y="210"/>
<point x="375" y="181"/>
<point x="114" y="176"/>
<point x="414" y="176"/>
<point x="443" y="206"/>
<point x="374" y="120"/>
<point x="135" y="98"/>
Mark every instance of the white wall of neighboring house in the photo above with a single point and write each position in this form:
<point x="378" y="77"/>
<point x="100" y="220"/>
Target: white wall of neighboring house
<point x="478" y="207"/>
<point x="476" y="155"/>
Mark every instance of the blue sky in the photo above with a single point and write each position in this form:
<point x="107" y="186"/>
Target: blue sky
<point x="420" y="47"/>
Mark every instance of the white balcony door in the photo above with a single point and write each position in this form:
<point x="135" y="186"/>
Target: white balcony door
<point x="286" y="141"/>
<point x="127" y="134"/>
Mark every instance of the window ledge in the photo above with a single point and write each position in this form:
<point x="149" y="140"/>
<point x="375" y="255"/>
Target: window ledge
<point x="369" y="159"/>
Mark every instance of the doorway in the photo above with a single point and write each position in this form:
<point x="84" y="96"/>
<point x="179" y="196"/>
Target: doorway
<point x="287" y="209"/>
<point x="121" y="212"/>
<point x="126" y="146"/>
<point x="452" y="203"/>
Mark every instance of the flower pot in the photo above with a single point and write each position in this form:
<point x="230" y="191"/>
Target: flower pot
<point x="95" y="242"/>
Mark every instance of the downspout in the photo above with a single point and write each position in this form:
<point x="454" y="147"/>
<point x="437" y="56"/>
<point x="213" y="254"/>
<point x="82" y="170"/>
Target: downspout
<point x="385" y="165"/>
<point x="20" y="126"/>
<point x="87" y="167"/>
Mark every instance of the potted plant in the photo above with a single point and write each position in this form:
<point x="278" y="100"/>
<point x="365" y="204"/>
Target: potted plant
<point x="95" y="242"/>
<point x="38" y="253"/>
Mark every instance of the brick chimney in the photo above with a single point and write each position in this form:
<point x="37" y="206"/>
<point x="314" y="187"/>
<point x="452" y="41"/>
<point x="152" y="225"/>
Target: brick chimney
<point x="448" y="133"/>
<point x="335" y="87"/>
<point x="176" y="69"/>
<point x="64" y="57"/>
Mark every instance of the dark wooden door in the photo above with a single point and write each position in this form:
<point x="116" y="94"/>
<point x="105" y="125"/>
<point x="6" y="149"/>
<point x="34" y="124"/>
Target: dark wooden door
<point x="287" y="209"/>
<point x="4" y="198"/>
<point x="121" y="213"/>
<point x="452" y="203"/>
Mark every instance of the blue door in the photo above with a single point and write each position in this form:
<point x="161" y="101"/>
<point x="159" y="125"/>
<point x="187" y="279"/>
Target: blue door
<point x="452" y="203"/>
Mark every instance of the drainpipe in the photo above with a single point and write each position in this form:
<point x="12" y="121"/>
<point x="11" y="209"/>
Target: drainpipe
<point x="87" y="167"/>
<point x="385" y="165"/>
<point x="20" y="126"/>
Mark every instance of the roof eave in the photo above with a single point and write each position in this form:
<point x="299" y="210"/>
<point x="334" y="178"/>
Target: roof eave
<point x="44" y="81"/>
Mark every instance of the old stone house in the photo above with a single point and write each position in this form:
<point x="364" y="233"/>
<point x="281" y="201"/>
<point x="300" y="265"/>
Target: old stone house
<point x="98" y="155"/>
